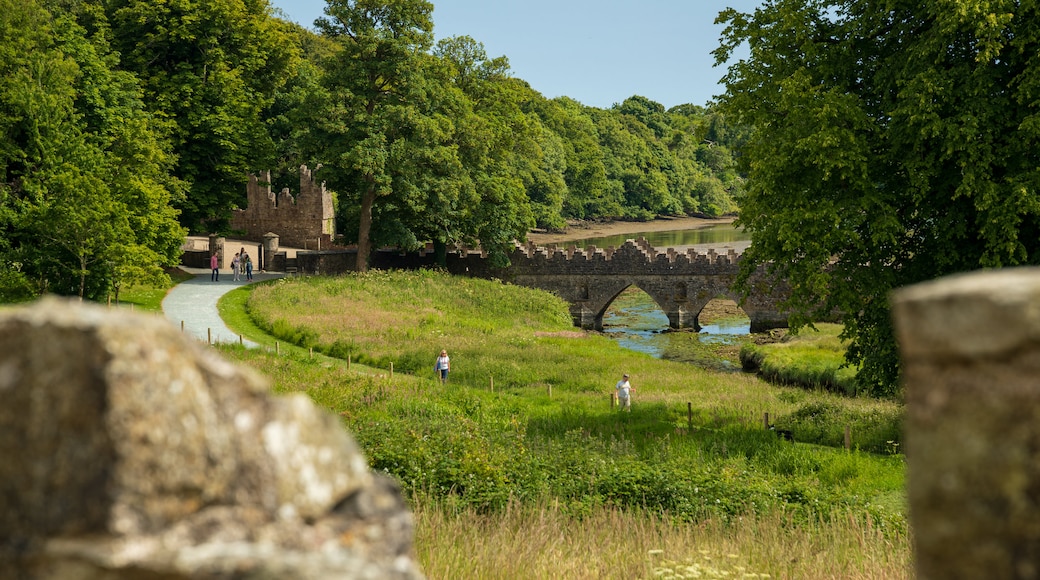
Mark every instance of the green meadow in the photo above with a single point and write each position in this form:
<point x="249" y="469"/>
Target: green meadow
<point x="521" y="467"/>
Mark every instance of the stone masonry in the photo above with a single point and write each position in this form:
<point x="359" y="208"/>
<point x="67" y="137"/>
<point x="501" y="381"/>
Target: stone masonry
<point x="299" y="222"/>
<point x="680" y="283"/>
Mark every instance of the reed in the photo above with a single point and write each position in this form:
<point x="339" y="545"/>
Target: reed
<point x="543" y="541"/>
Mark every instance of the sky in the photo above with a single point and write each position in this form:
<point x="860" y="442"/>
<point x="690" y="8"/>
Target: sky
<point x="598" y="52"/>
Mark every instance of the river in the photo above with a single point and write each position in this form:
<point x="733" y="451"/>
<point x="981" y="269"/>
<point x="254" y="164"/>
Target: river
<point x="637" y="323"/>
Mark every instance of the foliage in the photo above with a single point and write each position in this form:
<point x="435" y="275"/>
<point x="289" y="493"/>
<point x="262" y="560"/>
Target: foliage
<point x="84" y="186"/>
<point x="892" y="142"/>
<point x="211" y="68"/>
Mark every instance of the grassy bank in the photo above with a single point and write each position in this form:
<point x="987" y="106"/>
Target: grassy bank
<point x="544" y="455"/>
<point x="813" y="358"/>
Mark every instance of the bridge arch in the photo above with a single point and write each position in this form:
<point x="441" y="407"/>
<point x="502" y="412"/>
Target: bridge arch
<point x="601" y="308"/>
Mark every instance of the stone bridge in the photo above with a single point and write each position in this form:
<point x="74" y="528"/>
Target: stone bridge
<point x="680" y="283"/>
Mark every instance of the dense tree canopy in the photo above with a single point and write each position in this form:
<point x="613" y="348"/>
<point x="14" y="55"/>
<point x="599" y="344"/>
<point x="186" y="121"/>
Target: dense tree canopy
<point x="85" y="188"/>
<point x="211" y="67"/>
<point x="121" y="118"/>
<point x="893" y="142"/>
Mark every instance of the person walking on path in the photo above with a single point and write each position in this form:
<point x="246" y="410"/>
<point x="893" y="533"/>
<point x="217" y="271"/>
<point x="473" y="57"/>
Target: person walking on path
<point x="624" y="400"/>
<point x="443" y="366"/>
<point x="248" y="266"/>
<point x="214" y="266"/>
<point x="234" y="266"/>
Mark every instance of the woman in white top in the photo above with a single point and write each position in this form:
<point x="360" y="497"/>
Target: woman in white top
<point x="443" y="366"/>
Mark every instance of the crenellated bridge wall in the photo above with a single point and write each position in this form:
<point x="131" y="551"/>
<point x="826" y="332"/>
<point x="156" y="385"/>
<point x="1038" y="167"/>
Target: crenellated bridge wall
<point x="681" y="283"/>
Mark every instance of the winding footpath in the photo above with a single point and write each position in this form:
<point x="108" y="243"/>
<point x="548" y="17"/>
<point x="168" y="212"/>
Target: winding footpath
<point x="194" y="303"/>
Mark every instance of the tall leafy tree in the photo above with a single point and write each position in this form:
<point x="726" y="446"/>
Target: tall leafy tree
<point x="514" y="162"/>
<point x="84" y="187"/>
<point x="211" y="67"/>
<point x="893" y="142"/>
<point x="589" y="194"/>
<point x="374" y="82"/>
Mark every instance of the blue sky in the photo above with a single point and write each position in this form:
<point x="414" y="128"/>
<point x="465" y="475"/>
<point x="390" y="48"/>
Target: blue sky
<point x="599" y="52"/>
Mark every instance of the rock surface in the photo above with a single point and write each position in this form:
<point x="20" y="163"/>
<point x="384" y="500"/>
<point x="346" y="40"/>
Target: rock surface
<point x="970" y="346"/>
<point x="128" y="451"/>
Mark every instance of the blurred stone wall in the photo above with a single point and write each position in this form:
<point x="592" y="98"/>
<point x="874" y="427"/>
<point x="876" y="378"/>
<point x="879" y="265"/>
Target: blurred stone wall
<point x="127" y="450"/>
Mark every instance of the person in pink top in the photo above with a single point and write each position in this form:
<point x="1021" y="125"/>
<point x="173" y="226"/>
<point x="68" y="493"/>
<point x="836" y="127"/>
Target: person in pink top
<point x="214" y="265"/>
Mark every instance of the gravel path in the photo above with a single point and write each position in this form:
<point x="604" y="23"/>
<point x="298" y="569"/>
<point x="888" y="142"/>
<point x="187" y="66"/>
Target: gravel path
<point x="194" y="303"/>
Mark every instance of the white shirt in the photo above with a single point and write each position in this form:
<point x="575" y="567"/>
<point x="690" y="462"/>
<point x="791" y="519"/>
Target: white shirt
<point x="622" y="387"/>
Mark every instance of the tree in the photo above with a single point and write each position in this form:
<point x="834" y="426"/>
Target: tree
<point x="210" y="67"/>
<point x="893" y="142"/>
<point x="84" y="194"/>
<point x="373" y="82"/>
<point x="588" y="192"/>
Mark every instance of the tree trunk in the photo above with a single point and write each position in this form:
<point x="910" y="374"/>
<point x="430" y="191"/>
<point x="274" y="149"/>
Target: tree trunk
<point x="82" y="277"/>
<point x="364" y="247"/>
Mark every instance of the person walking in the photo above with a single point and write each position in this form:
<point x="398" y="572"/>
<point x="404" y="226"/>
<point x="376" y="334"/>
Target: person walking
<point x="622" y="388"/>
<point x="234" y="266"/>
<point x="442" y="366"/>
<point x="214" y="265"/>
<point x="247" y="265"/>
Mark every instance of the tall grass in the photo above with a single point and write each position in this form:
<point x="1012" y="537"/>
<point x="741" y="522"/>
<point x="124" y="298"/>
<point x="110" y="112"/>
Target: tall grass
<point x="546" y="446"/>
<point x="543" y="541"/>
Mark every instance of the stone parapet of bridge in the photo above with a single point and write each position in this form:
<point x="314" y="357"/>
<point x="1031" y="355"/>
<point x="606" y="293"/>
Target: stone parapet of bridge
<point x="681" y="283"/>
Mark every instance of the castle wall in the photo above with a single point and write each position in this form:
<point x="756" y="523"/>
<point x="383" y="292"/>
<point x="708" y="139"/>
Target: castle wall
<point x="299" y="221"/>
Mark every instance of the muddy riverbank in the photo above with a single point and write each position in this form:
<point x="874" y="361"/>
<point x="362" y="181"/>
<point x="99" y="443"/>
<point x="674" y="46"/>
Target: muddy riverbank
<point x="580" y="230"/>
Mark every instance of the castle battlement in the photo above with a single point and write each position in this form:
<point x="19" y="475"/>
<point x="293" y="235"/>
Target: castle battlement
<point x="298" y="220"/>
<point x="632" y="250"/>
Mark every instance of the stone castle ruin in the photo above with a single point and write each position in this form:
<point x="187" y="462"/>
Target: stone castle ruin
<point x="299" y="222"/>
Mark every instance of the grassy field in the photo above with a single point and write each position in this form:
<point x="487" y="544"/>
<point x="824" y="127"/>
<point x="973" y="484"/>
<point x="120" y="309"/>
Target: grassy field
<point x="520" y="467"/>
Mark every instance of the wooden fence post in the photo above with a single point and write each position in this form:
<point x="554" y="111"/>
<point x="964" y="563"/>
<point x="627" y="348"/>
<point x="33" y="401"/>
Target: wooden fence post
<point x="689" y="416"/>
<point x="765" y="421"/>
<point x="848" y="438"/>
<point x="492" y="384"/>
<point x="209" y="336"/>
